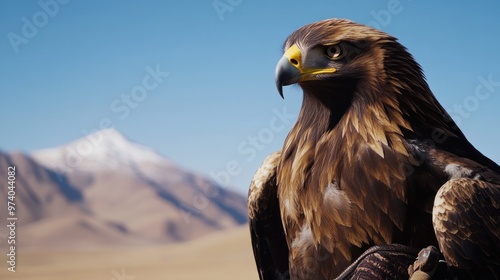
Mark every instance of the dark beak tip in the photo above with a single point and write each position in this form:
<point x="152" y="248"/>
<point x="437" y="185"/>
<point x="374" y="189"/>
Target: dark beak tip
<point x="278" y="78"/>
<point x="285" y="74"/>
<point x="279" y="86"/>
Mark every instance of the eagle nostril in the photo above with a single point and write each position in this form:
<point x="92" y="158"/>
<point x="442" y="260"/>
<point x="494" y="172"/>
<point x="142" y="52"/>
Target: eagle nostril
<point x="294" y="62"/>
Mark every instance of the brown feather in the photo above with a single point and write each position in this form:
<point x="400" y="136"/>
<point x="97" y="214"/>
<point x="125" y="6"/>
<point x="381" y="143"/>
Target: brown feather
<point x="266" y="230"/>
<point x="361" y="167"/>
<point x="362" y="154"/>
<point x="466" y="219"/>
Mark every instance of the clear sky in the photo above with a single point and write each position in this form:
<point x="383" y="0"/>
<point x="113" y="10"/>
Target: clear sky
<point x="195" y="79"/>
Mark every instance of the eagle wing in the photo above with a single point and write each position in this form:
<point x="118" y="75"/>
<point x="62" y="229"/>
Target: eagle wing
<point x="266" y="229"/>
<point x="466" y="215"/>
<point x="466" y="218"/>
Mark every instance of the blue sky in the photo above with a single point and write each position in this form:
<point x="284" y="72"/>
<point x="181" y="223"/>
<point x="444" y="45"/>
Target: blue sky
<point x="212" y="105"/>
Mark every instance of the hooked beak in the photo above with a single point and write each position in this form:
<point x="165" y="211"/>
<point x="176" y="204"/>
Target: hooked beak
<point x="290" y="69"/>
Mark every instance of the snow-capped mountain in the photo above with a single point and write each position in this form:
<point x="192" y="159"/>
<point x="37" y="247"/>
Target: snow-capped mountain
<point x="110" y="191"/>
<point x="106" y="149"/>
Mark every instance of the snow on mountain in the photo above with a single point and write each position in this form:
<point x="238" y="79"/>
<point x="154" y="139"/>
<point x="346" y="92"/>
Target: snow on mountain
<point x="126" y="189"/>
<point x="102" y="150"/>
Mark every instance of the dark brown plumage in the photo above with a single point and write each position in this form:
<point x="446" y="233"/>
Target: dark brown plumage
<point x="363" y="163"/>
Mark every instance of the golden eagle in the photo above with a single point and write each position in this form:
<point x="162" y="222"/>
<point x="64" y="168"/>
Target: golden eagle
<point x="372" y="159"/>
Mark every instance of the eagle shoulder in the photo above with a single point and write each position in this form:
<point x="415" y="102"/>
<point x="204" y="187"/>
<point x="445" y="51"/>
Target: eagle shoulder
<point x="465" y="212"/>
<point x="266" y="229"/>
<point x="466" y="219"/>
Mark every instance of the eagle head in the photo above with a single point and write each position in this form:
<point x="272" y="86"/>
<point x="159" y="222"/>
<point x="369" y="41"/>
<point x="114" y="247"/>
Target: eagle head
<point x="332" y="52"/>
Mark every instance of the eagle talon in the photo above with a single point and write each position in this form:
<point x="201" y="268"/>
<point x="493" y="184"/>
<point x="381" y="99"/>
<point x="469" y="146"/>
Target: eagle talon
<point x="426" y="264"/>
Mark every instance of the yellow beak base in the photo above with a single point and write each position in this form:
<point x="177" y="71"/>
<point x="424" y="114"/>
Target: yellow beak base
<point x="290" y="71"/>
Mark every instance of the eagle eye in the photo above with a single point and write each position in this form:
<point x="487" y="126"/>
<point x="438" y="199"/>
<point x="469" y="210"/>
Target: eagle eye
<point x="334" y="52"/>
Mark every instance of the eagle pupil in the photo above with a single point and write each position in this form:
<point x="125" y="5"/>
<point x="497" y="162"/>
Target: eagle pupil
<point x="333" y="52"/>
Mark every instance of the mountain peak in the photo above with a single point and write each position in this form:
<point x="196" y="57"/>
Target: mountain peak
<point x="103" y="149"/>
<point x="109" y="138"/>
<point x="110" y="133"/>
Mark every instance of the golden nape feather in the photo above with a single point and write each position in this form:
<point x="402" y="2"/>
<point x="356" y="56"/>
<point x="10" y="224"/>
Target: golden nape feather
<point x="362" y="165"/>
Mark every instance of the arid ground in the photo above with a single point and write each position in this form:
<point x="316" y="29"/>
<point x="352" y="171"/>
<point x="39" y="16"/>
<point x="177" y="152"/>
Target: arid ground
<point x="222" y="255"/>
